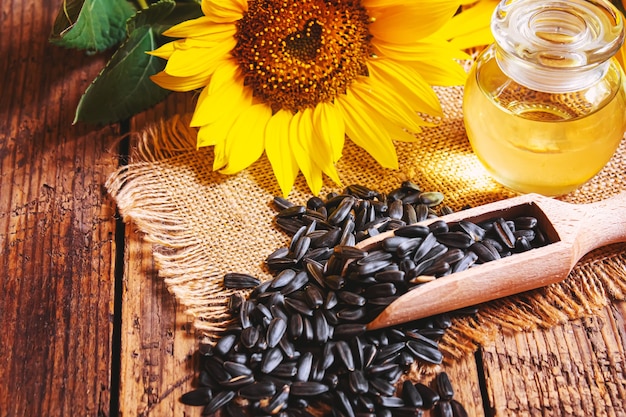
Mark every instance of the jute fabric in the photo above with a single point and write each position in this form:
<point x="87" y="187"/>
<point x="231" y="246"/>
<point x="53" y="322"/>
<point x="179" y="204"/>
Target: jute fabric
<point x="204" y="224"/>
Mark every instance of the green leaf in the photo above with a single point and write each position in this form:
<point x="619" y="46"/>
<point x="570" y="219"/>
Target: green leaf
<point x="124" y="88"/>
<point x="94" y="25"/>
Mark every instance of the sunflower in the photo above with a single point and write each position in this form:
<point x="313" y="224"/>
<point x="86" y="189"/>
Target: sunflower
<point x="293" y="78"/>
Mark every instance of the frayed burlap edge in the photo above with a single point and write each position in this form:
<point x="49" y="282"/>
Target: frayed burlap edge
<point x="165" y="166"/>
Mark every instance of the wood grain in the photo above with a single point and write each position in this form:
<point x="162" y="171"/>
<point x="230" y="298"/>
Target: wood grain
<point x="158" y="341"/>
<point x="576" y="369"/>
<point x="56" y="226"/>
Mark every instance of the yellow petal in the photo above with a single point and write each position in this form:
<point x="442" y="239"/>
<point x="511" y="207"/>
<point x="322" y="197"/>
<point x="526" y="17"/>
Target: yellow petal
<point x="396" y="132"/>
<point x="318" y="145"/>
<point x="216" y="132"/>
<point x="472" y="24"/>
<point x="440" y="72"/>
<point x="403" y="78"/>
<point x="194" y="27"/>
<point x="245" y="141"/>
<point x="224" y="10"/>
<point x="410" y="22"/>
<point x="418" y="51"/>
<point x="164" y="51"/>
<point x="189" y="62"/>
<point x="388" y="104"/>
<point x="222" y="95"/>
<point x="301" y="130"/>
<point x="366" y="131"/>
<point x="330" y="123"/>
<point x="278" y="151"/>
<point x="224" y="6"/>
<point x="180" y="83"/>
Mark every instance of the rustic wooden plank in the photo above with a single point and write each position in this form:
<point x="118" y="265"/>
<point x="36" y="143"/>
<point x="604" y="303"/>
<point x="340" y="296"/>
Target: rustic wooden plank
<point x="576" y="369"/>
<point x="465" y="377"/>
<point x="158" y="341"/>
<point x="56" y="226"/>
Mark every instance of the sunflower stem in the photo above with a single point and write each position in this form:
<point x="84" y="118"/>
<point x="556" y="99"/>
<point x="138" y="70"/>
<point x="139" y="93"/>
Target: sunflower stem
<point x="143" y="4"/>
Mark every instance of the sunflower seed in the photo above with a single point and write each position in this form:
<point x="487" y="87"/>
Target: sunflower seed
<point x="236" y="369"/>
<point x="357" y="382"/>
<point x="258" y="390"/>
<point x="298" y="306"/>
<point x="297" y="282"/>
<point x="218" y="401"/>
<point x="308" y="388"/>
<point x="391" y="402"/>
<point x="348" y="330"/>
<point x="199" y="396"/>
<point x="381" y="387"/>
<point x="425" y="352"/>
<point x="444" y="409"/>
<point x="345" y="354"/>
<point x="225" y="344"/>
<point x="485" y="252"/>
<point x="295" y="326"/>
<point x="455" y="239"/>
<point x="412" y="231"/>
<point x="275" y="331"/>
<point x="429" y="396"/>
<point x="278" y="401"/>
<point x="504" y="232"/>
<point x="271" y="360"/>
<point x="476" y="232"/>
<point x="238" y="381"/>
<point x="457" y="409"/>
<point x="345" y="404"/>
<point x="351" y="298"/>
<point x="235" y="280"/>
<point x="410" y="395"/>
<point x="283" y="278"/>
<point x="444" y="387"/>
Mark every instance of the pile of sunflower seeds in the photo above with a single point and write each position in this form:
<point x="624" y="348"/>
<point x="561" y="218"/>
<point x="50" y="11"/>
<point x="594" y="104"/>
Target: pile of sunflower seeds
<point x="299" y="340"/>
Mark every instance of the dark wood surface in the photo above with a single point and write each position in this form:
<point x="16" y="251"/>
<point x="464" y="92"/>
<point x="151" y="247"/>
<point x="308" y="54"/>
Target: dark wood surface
<point x="87" y="328"/>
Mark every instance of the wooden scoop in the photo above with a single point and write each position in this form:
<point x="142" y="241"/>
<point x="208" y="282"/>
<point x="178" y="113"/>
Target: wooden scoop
<point x="573" y="230"/>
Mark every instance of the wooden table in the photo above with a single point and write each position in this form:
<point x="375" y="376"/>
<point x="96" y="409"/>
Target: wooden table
<point x="87" y="329"/>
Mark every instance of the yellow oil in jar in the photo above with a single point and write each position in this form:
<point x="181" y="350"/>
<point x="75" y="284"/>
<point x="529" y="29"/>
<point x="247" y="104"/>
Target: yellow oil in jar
<point x="541" y="142"/>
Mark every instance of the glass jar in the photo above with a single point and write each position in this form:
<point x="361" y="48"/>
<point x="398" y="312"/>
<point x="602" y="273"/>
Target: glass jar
<point x="545" y="105"/>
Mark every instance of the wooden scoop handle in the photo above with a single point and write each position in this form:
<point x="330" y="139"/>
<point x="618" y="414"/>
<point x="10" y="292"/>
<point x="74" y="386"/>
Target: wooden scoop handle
<point x="580" y="229"/>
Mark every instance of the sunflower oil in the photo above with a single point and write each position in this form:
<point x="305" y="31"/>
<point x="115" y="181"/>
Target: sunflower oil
<point x="545" y="106"/>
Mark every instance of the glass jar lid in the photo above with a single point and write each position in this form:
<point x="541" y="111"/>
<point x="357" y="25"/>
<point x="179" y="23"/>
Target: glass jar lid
<point x="556" y="45"/>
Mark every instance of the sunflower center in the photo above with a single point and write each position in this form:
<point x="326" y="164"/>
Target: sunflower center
<point x="297" y="54"/>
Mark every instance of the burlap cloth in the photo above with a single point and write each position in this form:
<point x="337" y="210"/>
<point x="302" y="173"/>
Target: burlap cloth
<point x="204" y="224"/>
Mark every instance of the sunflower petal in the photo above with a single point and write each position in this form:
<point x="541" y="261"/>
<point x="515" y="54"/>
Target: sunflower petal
<point x="301" y="130"/>
<point x="278" y="151"/>
<point x="245" y="141"/>
<point x="471" y="27"/>
<point x="216" y="132"/>
<point x="188" y="62"/>
<point x="164" y="51"/>
<point x="224" y="11"/>
<point x="224" y="7"/>
<point x="440" y="72"/>
<point x="195" y="27"/>
<point x="330" y="124"/>
<point x="365" y="130"/>
<point x="388" y="104"/>
<point x="320" y="147"/>
<point x="404" y="23"/>
<point x="220" y="97"/>
<point x="168" y="82"/>
<point x="403" y="78"/>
